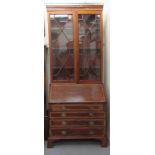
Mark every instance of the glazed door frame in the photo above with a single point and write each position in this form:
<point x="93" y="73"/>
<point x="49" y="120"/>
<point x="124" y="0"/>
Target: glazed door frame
<point x="61" y="12"/>
<point x="93" y="12"/>
<point x="75" y="12"/>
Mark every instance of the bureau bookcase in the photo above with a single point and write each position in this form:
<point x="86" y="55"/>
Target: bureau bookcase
<point x="77" y="101"/>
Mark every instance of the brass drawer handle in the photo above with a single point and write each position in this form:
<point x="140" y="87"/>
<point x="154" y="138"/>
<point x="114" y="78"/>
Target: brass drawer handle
<point x="91" y="132"/>
<point x="63" y="114"/>
<point x="64" y="122"/>
<point x="91" y="123"/>
<point x="91" y="114"/>
<point x="63" y="132"/>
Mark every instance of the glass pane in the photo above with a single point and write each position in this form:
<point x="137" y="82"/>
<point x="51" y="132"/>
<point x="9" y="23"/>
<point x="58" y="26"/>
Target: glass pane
<point x="62" y="47"/>
<point x="89" y="46"/>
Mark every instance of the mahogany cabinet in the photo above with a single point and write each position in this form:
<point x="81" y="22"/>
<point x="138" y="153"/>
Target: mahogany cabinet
<point x="77" y="102"/>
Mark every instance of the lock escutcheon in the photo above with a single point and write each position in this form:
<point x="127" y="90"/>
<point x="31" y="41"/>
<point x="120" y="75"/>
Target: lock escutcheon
<point x="63" y="108"/>
<point x="91" y="132"/>
<point x="64" y="122"/>
<point x="63" y="114"/>
<point x="91" y="107"/>
<point x="91" y="123"/>
<point x="63" y="132"/>
<point x="91" y="114"/>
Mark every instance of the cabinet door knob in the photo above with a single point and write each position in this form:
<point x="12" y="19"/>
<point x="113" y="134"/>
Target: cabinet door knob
<point x="63" y="114"/>
<point x="64" y="122"/>
<point x="63" y="132"/>
<point x="91" y="123"/>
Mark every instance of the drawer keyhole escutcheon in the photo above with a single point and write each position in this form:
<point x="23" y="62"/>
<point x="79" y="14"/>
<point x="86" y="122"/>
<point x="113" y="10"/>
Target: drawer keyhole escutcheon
<point x="63" y="132"/>
<point x="91" y="108"/>
<point x="91" y="132"/>
<point x="91" y="114"/>
<point x="64" y="122"/>
<point x="91" y="123"/>
<point x="63" y="114"/>
<point x="63" y="108"/>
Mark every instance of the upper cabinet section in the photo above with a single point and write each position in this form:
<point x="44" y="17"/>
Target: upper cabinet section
<point x="76" y="43"/>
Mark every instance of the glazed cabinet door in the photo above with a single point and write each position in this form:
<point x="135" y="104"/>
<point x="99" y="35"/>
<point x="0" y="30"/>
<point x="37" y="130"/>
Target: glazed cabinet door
<point x="62" y="50"/>
<point x="89" y="40"/>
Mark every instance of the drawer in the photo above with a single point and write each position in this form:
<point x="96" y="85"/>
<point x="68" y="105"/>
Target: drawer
<point x="75" y="107"/>
<point x="77" y="132"/>
<point x="72" y="122"/>
<point x="77" y="114"/>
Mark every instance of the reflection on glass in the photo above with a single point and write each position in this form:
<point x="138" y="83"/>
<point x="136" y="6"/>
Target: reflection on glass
<point x="89" y="46"/>
<point x="62" y="47"/>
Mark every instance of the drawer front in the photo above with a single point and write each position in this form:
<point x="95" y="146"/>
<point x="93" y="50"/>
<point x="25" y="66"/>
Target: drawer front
<point x="77" y="114"/>
<point x="77" y="132"/>
<point x="71" y="122"/>
<point x="75" y="107"/>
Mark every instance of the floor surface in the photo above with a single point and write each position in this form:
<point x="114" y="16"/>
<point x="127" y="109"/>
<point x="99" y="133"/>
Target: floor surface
<point x="77" y="148"/>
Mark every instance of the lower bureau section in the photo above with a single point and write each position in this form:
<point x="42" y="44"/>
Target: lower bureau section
<point x="67" y="128"/>
<point x="77" y="111"/>
<point x="83" y="121"/>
